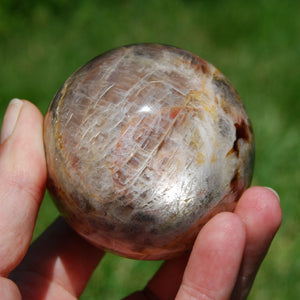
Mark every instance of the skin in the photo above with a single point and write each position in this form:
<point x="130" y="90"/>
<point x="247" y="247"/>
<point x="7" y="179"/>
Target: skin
<point x="222" y="264"/>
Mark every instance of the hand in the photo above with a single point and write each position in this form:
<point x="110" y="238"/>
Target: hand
<point x="222" y="264"/>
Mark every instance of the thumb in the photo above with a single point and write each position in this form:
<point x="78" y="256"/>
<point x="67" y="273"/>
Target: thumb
<point x="22" y="180"/>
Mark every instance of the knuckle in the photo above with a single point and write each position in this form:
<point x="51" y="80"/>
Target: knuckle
<point x="23" y="183"/>
<point x="195" y="292"/>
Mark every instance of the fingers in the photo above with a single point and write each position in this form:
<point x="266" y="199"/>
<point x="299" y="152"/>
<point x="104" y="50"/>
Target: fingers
<point x="59" y="263"/>
<point x="226" y="254"/>
<point x="215" y="259"/>
<point x="212" y="268"/>
<point x="22" y="180"/>
<point x="259" y="208"/>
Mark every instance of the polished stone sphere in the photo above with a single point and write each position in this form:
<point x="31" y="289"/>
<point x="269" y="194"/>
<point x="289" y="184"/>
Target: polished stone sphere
<point x="144" y="144"/>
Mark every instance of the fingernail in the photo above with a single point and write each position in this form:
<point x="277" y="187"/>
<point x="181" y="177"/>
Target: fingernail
<point x="274" y="192"/>
<point x="10" y="118"/>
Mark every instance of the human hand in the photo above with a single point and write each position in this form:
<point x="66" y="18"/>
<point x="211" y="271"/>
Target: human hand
<point x="222" y="264"/>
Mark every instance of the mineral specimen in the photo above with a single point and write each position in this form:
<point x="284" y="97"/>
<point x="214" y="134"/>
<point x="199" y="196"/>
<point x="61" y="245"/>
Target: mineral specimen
<point x="144" y="144"/>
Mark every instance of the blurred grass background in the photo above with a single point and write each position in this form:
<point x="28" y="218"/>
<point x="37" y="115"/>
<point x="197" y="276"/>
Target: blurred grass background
<point x="256" y="44"/>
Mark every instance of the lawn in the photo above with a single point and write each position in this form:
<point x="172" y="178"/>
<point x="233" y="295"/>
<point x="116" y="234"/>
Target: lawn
<point x="256" y="44"/>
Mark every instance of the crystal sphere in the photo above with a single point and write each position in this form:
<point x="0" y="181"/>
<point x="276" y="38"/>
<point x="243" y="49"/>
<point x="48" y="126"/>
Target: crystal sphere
<point x="144" y="144"/>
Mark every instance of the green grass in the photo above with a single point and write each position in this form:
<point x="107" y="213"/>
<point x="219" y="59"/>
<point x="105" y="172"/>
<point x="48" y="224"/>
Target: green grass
<point x="255" y="44"/>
